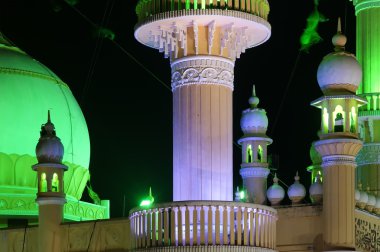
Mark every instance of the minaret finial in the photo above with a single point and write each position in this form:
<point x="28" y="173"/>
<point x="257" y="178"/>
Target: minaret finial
<point x="49" y="121"/>
<point x="339" y="25"/>
<point x="254" y="100"/>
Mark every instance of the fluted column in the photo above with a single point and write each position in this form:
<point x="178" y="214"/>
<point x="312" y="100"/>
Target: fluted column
<point x="338" y="165"/>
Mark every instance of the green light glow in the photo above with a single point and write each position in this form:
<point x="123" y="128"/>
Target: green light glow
<point x="310" y="35"/>
<point x="148" y="201"/>
<point x="242" y="195"/>
<point x="325" y="123"/>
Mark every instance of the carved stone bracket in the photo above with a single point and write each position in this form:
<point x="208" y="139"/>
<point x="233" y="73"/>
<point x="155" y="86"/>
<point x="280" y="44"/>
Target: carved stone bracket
<point x="202" y="70"/>
<point x="169" y="39"/>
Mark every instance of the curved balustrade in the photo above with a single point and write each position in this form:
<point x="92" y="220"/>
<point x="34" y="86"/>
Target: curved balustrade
<point x="146" y="8"/>
<point x="200" y="223"/>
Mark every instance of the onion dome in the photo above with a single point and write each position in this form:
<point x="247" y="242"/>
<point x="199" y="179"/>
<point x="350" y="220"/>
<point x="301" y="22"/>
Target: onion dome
<point x="371" y="201"/>
<point x="275" y="192"/>
<point x="49" y="148"/>
<point x="316" y="190"/>
<point x="296" y="191"/>
<point x="254" y="120"/>
<point x="339" y="71"/>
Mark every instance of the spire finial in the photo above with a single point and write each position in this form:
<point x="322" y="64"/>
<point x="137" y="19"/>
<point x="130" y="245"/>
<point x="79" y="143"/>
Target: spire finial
<point x="150" y="191"/>
<point x="275" y="179"/>
<point x="297" y="178"/>
<point x="49" y="121"/>
<point x="253" y="100"/>
<point x="339" y="25"/>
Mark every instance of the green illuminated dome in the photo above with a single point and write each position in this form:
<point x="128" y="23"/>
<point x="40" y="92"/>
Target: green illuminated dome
<point x="28" y="89"/>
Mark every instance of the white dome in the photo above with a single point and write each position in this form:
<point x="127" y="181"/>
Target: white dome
<point x="254" y="121"/>
<point x="377" y="205"/>
<point x="339" y="70"/>
<point x="275" y="193"/>
<point x="357" y="195"/>
<point x="371" y="200"/>
<point x="363" y="197"/>
<point x="296" y="191"/>
<point x="316" y="191"/>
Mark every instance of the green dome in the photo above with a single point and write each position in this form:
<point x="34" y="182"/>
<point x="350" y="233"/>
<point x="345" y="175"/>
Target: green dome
<point x="28" y="89"/>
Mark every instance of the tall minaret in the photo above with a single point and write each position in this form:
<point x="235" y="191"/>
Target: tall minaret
<point x="254" y="167"/>
<point x="368" y="53"/>
<point x="339" y="75"/>
<point x="202" y="39"/>
<point x="50" y="196"/>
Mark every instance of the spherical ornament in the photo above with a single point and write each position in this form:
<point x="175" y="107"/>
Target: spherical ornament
<point x="339" y="71"/>
<point x="254" y="121"/>
<point x="275" y="193"/>
<point x="357" y="195"/>
<point x="254" y="101"/>
<point x="296" y="191"/>
<point x="316" y="191"/>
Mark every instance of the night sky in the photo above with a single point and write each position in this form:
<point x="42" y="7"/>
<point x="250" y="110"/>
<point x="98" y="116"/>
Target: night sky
<point x="129" y="113"/>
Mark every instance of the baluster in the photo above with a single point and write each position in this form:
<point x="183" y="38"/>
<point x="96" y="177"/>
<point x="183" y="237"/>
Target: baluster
<point x="179" y="216"/>
<point x="236" y="4"/>
<point x="154" y="228"/>
<point x="195" y="227"/>
<point x="215" y="4"/>
<point x="173" y="240"/>
<point x="202" y="238"/>
<point x="245" y="226"/>
<point x="261" y="228"/>
<point x="225" y="226"/>
<point x="187" y="226"/>
<point x="140" y="229"/>
<point x="143" y="228"/>
<point x="257" y="228"/>
<point x="149" y="230"/>
<point x="166" y="227"/>
<point x="248" y="6"/>
<point x="242" y="5"/>
<point x="230" y="5"/>
<point x="232" y="226"/>
<point x="222" y="4"/>
<point x="251" y="228"/>
<point x="217" y="226"/>
<point x="265" y="228"/>
<point x="159" y="228"/>
<point x="238" y="224"/>
<point x="209" y="226"/>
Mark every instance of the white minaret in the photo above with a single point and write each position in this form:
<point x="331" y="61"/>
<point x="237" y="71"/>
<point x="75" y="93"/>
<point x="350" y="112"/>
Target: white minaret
<point x="202" y="39"/>
<point x="339" y="75"/>
<point x="50" y="195"/>
<point x="254" y="167"/>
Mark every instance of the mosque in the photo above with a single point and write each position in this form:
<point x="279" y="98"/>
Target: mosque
<point x="41" y="182"/>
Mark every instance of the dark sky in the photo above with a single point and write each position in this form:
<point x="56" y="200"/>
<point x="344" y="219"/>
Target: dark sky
<point x="129" y="113"/>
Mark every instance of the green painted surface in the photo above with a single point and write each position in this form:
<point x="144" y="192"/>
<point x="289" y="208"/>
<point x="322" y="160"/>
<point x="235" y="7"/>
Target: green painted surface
<point x="28" y="90"/>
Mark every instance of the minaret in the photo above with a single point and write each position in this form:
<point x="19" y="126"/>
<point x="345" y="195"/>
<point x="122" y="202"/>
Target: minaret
<point x="368" y="53"/>
<point x="202" y="39"/>
<point x="254" y="167"/>
<point x="50" y="196"/>
<point x="339" y="75"/>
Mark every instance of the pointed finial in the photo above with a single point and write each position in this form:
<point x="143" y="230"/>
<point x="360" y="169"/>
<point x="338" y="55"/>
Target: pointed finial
<point x="48" y="128"/>
<point x="49" y="121"/>
<point x="339" y="40"/>
<point x="275" y="179"/>
<point x="360" y="186"/>
<point x="339" y="26"/>
<point x="150" y="191"/>
<point x="297" y="178"/>
<point x="254" y="100"/>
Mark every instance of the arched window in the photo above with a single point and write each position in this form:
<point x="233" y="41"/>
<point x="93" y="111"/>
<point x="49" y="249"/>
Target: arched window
<point x="43" y="183"/>
<point x="260" y="153"/>
<point x="338" y="120"/>
<point x="249" y="153"/>
<point x="325" y="128"/>
<point x="55" y="183"/>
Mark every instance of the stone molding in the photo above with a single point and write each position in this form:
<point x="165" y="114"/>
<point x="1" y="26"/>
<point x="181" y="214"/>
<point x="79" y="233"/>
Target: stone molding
<point x="334" y="160"/>
<point x="256" y="172"/>
<point x="363" y="5"/>
<point x="370" y="154"/>
<point x="200" y="70"/>
<point x="340" y="146"/>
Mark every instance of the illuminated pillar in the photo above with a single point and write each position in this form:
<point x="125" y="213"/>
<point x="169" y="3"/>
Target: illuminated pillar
<point x="339" y="75"/>
<point x="254" y="167"/>
<point x="50" y="195"/>
<point x="368" y="53"/>
<point x="202" y="40"/>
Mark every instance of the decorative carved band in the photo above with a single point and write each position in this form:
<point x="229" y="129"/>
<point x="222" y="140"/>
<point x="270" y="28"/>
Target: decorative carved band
<point x="338" y="160"/>
<point x="370" y="154"/>
<point x="256" y="172"/>
<point x="199" y="70"/>
<point x="363" y="5"/>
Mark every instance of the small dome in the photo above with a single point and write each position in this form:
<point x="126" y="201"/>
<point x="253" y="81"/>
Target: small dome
<point x="254" y="120"/>
<point x="371" y="200"/>
<point x="357" y="195"/>
<point x="275" y="193"/>
<point x="339" y="71"/>
<point x="316" y="191"/>
<point x="296" y="191"/>
<point x="363" y="199"/>
<point x="49" y="148"/>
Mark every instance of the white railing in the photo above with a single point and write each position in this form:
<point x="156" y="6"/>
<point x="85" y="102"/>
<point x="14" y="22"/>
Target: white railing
<point x="200" y="223"/>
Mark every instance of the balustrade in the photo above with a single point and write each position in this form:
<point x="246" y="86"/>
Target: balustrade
<point x="199" y="223"/>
